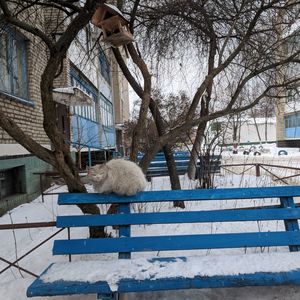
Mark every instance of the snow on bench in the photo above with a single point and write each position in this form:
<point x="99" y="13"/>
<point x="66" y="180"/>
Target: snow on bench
<point x="111" y="277"/>
<point x="186" y="272"/>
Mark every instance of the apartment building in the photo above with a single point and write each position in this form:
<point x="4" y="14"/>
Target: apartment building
<point x="288" y="104"/>
<point x="87" y="118"/>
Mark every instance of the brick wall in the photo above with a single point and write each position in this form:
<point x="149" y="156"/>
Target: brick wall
<point x="28" y="117"/>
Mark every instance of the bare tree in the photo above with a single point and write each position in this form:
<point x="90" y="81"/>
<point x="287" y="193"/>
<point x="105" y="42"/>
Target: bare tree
<point x="76" y="17"/>
<point x="234" y="35"/>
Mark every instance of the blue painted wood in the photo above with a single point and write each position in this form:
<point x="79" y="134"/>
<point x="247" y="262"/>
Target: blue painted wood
<point x="290" y="225"/>
<point x="176" y="242"/>
<point x="161" y="156"/>
<point x="165" y="169"/>
<point x="126" y="244"/>
<point x="179" y="217"/>
<point x="158" y="166"/>
<point x="163" y="164"/>
<point x="39" y="288"/>
<point x="125" y="230"/>
<point x="182" y="195"/>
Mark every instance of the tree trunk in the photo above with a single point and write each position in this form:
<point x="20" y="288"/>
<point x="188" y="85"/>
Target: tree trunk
<point x="205" y="100"/>
<point x="67" y="170"/>
<point x="266" y="129"/>
<point x="174" y="178"/>
<point x="175" y="183"/>
<point x="257" y="129"/>
<point x="196" y="150"/>
<point x="145" y="96"/>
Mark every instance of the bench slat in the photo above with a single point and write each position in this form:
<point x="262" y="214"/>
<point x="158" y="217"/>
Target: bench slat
<point x="65" y="287"/>
<point x="179" y="217"/>
<point x="40" y="288"/>
<point x="182" y="195"/>
<point x="162" y="168"/>
<point x="178" y="242"/>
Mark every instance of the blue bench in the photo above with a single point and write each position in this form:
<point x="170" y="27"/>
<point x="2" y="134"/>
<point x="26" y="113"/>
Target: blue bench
<point x="158" y="166"/>
<point x="108" y="278"/>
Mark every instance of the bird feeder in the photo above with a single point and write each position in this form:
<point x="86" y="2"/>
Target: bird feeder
<point x="113" y="24"/>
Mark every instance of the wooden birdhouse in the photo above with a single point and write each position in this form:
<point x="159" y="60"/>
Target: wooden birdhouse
<point x="113" y="24"/>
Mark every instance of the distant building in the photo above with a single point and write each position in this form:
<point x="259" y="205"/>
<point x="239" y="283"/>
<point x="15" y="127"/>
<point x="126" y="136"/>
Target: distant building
<point x="89" y="128"/>
<point x="288" y="124"/>
<point x="258" y="130"/>
<point x="248" y="131"/>
<point x="288" y="104"/>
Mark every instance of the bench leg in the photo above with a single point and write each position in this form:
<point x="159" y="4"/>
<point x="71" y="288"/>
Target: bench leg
<point x="113" y="296"/>
<point x="290" y="225"/>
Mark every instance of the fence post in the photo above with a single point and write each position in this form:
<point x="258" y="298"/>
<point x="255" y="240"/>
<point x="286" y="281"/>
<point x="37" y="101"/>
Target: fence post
<point x="257" y="170"/>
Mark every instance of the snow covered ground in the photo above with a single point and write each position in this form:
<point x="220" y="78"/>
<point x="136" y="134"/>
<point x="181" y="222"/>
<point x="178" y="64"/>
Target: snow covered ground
<point x="13" y="284"/>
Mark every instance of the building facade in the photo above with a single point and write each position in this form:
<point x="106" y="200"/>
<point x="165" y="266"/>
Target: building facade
<point x="288" y="103"/>
<point x="22" y="58"/>
<point x="89" y="129"/>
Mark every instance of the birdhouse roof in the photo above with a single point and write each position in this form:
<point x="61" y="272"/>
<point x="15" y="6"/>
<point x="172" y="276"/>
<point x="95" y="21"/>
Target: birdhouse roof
<point x="114" y="10"/>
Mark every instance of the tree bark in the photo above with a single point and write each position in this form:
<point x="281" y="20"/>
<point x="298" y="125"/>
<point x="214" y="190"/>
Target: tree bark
<point x="160" y="126"/>
<point x="60" y="157"/>
<point x="196" y="152"/>
<point x="145" y="96"/>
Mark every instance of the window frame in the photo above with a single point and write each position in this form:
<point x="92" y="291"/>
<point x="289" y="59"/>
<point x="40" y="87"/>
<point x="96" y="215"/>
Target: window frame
<point x="106" y="112"/>
<point x="105" y="69"/>
<point x="12" y="37"/>
<point x="87" y="112"/>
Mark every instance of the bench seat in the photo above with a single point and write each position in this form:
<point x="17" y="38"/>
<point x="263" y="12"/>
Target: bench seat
<point x="154" y="274"/>
<point x="126" y="272"/>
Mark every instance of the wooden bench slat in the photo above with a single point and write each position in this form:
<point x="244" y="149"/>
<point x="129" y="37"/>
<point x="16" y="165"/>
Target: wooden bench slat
<point x="182" y="159"/>
<point x="182" y="195"/>
<point x="162" y="168"/>
<point x="176" y="242"/>
<point x="163" y="275"/>
<point x="198" y="280"/>
<point x="179" y="217"/>
<point x="40" y="288"/>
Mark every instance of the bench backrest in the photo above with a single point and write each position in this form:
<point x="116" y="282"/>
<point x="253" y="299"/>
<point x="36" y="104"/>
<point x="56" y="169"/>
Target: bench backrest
<point x="158" y="166"/>
<point x="286" y="211"/>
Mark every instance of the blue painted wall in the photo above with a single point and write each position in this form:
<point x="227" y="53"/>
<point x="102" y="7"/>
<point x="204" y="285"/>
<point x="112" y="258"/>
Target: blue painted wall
<point x="292" y="125"/>
<point x="108" y="137"/>
<point x="85" y="131"/>
<point x="88" y="128"/>
<point x="293" y="132"/>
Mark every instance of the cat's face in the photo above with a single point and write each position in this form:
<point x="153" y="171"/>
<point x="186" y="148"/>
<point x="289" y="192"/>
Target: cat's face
<point x="97" y="173"/>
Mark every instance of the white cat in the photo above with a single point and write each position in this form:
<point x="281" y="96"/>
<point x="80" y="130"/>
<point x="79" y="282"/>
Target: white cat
<point x="119" y="176"/>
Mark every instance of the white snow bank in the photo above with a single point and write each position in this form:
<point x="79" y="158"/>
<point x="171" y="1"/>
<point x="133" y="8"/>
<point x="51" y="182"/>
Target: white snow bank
<point x="188" y="267"/>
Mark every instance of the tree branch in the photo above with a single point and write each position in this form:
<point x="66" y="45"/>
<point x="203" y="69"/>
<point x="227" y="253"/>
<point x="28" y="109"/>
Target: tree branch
<point x="10" y="19"/>
<point x="11" y="127"/>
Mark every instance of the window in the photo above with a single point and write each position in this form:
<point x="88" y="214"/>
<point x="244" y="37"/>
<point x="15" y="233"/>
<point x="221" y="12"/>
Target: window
<point x="12" y="182"/>
<point x="13" y="63"/>
<point x="104" y="66"/>
<point x="293" y="94"/>
<point x="84" y="37"/>
<point x="107" y="116"/>
<point x="88" y="112"/>
<point x="292" y="121"/>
